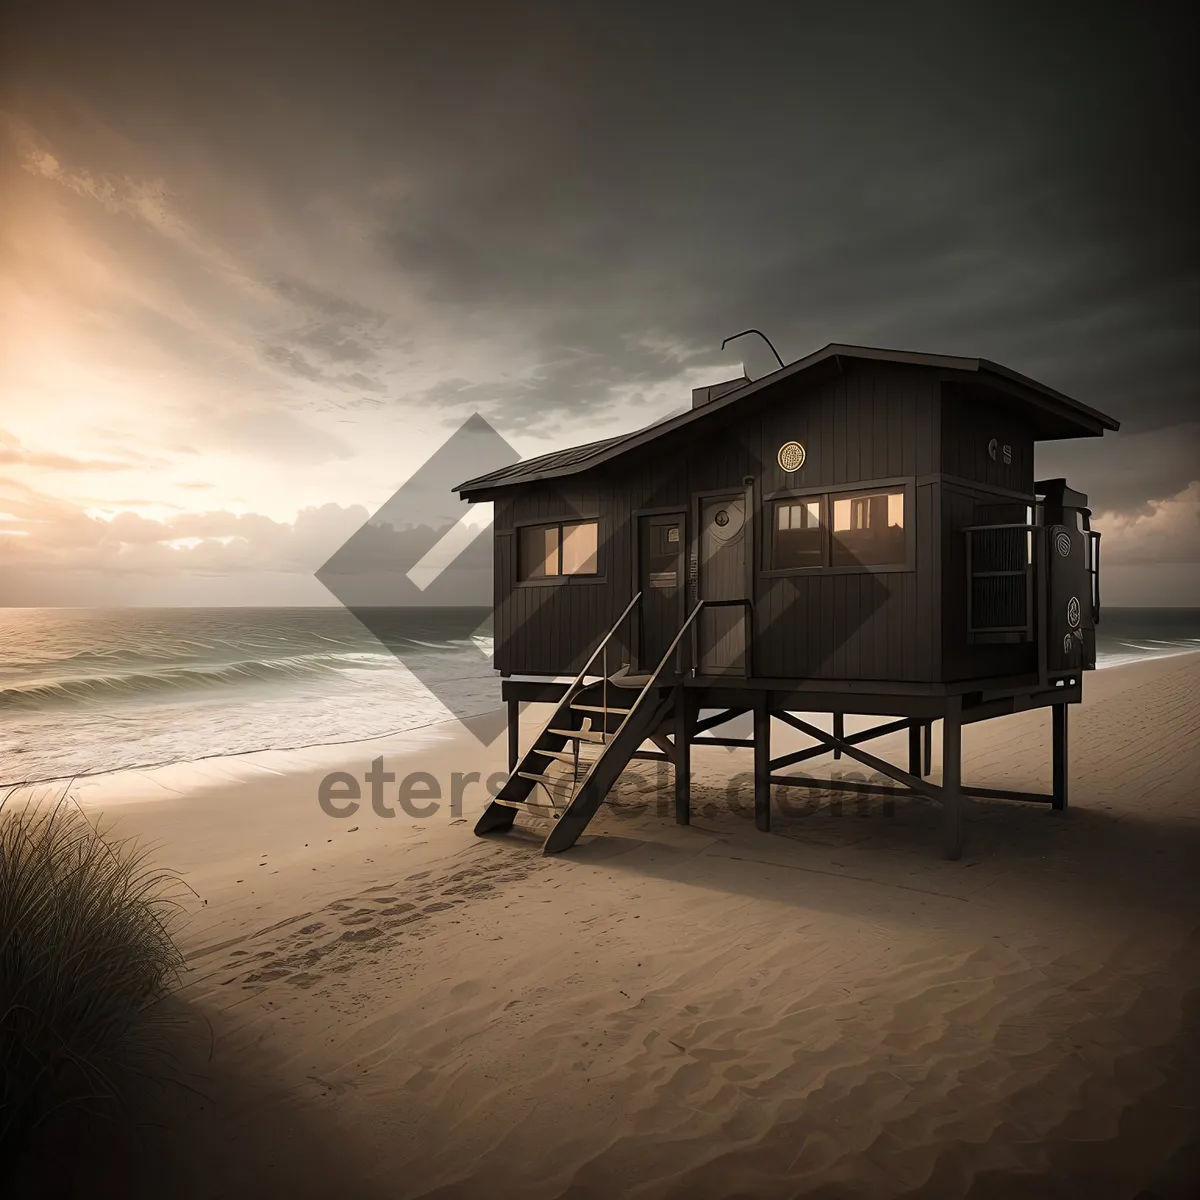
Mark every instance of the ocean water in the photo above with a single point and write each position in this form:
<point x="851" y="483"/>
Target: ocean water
<point x="1128" y="634"/>
<point x="84" y="691"/>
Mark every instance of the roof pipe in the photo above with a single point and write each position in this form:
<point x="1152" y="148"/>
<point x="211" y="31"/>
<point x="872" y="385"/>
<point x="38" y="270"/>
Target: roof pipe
<point x="759" y="332"/>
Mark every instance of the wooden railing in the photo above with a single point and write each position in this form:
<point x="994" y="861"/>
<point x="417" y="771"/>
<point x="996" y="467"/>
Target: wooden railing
<point x="1002" y="566"/>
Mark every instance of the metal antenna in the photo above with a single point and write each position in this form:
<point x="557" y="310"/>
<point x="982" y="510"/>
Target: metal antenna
<point x="761" y="335"/>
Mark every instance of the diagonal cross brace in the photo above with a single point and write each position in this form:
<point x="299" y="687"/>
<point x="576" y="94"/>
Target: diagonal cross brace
<point x="866" y="735"/>
<point x="932" y="790"/>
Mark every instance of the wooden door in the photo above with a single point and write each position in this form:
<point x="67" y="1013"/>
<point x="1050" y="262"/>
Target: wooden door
<point x="661" y="582"/>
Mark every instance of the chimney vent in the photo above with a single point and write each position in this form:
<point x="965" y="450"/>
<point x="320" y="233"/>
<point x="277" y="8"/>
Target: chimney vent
<point x="706" y="395"/>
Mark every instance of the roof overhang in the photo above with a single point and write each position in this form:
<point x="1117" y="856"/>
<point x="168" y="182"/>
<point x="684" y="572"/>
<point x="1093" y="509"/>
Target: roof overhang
<point x="1059" y="416"/>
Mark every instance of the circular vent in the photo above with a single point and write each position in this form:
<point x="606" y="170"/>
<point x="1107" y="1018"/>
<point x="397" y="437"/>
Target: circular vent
<point x="791" y="456"/>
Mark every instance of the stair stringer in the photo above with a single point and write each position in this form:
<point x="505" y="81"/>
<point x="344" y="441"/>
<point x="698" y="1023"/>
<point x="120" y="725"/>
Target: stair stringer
<point x="498" y="817"/>
<point x="646" y="718"/>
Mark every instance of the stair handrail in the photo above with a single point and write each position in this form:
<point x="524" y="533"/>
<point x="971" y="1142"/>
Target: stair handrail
<point x="646" y="687"/>
<point x="571" y="690"/>
<point x="678" y="638"/>
<point x="573" y="686"/>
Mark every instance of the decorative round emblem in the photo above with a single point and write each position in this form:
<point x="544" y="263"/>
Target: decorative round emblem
<point x="791" y="456"/>
<point x="1062" y="541"/>
<point x="722" y="518"/>
<point x="1073" y="612"/>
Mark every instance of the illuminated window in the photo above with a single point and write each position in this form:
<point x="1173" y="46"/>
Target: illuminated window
<point x="798" y="538"/>
<point x="579" y="545"/>
<point x="868" y="530"/>
<point x="552" y="551"/>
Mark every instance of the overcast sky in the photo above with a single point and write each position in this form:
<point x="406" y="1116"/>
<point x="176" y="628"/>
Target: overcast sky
<point x="260" y="261"/>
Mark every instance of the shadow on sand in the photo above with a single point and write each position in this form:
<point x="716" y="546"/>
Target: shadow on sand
<point x="185" y="1136"/>
<point x="1081" y="859"/>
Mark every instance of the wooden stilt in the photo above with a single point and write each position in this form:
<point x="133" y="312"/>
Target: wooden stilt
<point x="762" y="763"/>
<point x="683" y="756"/>
<point x="928" y="748"/>
<point x="514" y="733"/>
<point x="914" y="747"/>
<point x="952" y="778"/>
<point x="839" y="730"/>
<point x="1058" y="722"/>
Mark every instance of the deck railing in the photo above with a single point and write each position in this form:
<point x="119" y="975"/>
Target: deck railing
<point x="1001" y="566"/>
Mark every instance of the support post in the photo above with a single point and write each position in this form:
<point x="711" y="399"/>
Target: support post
<point x="514" y="734"/>
<point x="928" y="748"/>
<point x="952" y="778"/>
<point x="683" y="756"/>
<point x="914" y="747"/>
<point x="762" y="762"/>
<point x="839" y="731"/>
<point x="1058" y="721"/>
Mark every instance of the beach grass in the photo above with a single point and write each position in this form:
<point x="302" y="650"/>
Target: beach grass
<point x="87" y="954"/>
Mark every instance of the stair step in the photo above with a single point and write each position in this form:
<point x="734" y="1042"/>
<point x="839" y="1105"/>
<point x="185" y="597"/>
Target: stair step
<point x="567" y="757"/>
<point x="549" y="780"/>
<point x="586" y="735"/>
<point x="528" y="806"/>
<point x="595" y="708"/>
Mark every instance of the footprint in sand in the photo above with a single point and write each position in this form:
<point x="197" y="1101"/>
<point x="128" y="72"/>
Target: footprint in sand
<point x="361" y="935"/>
<point x="267" y="976"/>
<point x="396" y="922"/>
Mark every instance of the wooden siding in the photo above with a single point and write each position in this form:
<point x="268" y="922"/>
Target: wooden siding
<point x="871" y="422"/>
<point x="970" y="420"/>
<point x="979" y="489"/>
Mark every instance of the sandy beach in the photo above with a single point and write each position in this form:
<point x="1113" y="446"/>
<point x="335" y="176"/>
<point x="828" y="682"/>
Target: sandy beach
<point x="391" y="1007"/>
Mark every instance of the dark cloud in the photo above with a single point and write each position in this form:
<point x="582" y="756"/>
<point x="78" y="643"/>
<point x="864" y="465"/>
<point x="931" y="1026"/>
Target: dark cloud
<point x="622" y="186"/>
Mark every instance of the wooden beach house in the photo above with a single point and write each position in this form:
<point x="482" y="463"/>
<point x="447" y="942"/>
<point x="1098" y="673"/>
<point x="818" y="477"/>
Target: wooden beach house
<point x="861" y="531"/>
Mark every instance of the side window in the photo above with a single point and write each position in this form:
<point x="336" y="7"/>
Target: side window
<point x="868" y="530"/>
<point x="537" y="554"/>
<point x="797" y="534"/>
<point x="580" y="543"/>
<point x="554" y="551"/>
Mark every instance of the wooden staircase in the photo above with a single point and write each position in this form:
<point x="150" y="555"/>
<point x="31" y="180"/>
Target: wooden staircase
<point x="588" y="741"/>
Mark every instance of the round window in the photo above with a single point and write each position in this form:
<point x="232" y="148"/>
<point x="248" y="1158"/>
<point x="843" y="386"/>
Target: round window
<point x="722" y="518"/>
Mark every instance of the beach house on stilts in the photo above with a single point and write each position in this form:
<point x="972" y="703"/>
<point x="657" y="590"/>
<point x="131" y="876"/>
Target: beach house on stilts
<point x="860" y="532"/>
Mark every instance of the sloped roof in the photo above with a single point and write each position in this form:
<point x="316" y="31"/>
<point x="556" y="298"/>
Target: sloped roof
<point x="1082" y="420"/>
